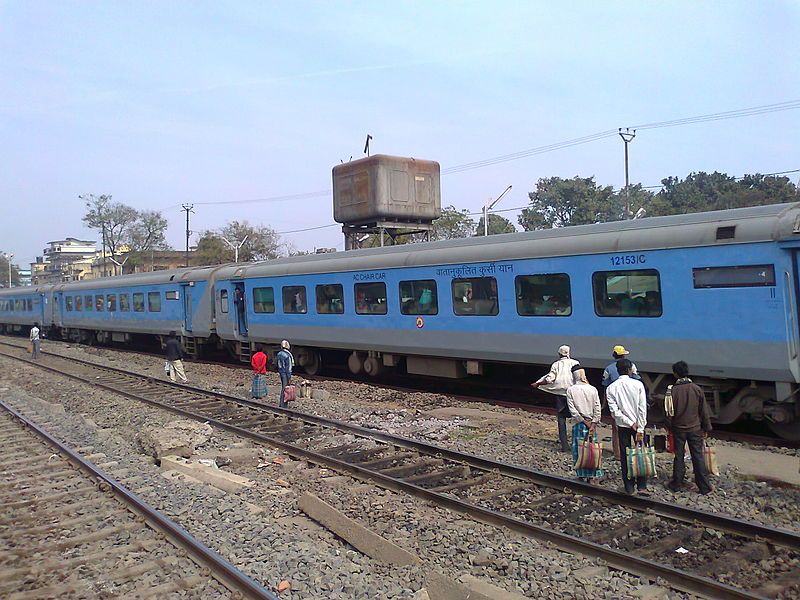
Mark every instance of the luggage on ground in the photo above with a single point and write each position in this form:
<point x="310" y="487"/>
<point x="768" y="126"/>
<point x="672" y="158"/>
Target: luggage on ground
<point x="710" y="459"/>
<point x="289" y="393"/>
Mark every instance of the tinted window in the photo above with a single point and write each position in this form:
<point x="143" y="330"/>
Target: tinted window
<point x="171" y="295"/>
<point x="99" y="302"/>
<point x="78" y="303"/>
<point x="138" y="302"/>
<point x="543" y="295"/>
<point x="371" y="298"/>
<point x="111" y="302"/>
<point x="627" y="293"/>
<point x="475" y="296"/>
<point x="88" y="302"/>
<point x="124" y="303"/>
<point x="154" y="301"/>
<point x="740" y="276"/>
<point x="223" y="300"/>
<point x="294" y="299"/>
<point x="330" y="299"/>
<point x="68" y="303"/>
<point x="30" y="305"/>
<point x="18" y="305"/>
<point x="419" y="297"/>
<point x="264" y="300"/>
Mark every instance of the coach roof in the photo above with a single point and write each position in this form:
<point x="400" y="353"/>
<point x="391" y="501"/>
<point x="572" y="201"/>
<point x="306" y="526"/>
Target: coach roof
<point x="754" y="224"/>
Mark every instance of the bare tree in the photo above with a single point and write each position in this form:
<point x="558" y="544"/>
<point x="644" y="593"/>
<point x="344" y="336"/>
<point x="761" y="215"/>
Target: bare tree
<point x="111" y="219"/>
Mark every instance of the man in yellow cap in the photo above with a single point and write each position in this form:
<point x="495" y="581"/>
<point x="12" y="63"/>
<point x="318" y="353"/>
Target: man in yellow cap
<point x="610" y="375"/>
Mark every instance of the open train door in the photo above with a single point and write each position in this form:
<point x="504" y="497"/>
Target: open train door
<point x="187" y="308"/>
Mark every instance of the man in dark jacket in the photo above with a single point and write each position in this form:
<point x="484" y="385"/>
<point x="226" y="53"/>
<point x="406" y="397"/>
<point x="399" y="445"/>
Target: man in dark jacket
<point x="689" y="422"/>
<point x="174" y="352"/>
<point x="285" y="362"/>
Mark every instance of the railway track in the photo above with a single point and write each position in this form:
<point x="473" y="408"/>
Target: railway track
<point x="726" y="558"/>
<point x="70" y="531"/>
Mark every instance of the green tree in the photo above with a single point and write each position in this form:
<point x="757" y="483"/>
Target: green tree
<point x="558" y="202"/>
<point x="497" y="224"/>
<point x="146" y="235"/>
<point x="262" y="243"/>
<point x="453" y="224"/>
<point x="719" y="191"/>
<point x="4" y="272"/>
<point x="113" y="220"/>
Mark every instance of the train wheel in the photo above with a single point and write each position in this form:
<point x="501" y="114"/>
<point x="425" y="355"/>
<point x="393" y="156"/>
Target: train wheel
<point x="355" y="362"/>
<point x="313" y="362"/>
<point x="372" y="366"/>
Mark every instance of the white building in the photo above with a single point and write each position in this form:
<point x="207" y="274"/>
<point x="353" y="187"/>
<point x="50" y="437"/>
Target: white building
<point x="64" y="260"/>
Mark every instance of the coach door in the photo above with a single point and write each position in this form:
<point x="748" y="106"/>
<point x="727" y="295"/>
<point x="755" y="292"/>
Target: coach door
<point x="240" y="302"/>
<point x="58" y="308"/>
<point x="187" y="308"/>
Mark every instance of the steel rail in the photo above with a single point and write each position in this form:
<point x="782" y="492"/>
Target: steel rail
<point x="623" y="561"/>
<point x="219" y="568"/>
<point x="782" y="537"/>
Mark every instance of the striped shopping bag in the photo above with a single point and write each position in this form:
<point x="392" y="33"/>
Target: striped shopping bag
<point x="590" y="454"/>
<point x="641" y="460"/>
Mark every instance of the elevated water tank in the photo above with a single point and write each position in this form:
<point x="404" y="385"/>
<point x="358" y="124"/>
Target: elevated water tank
<point x="386" y="189"/>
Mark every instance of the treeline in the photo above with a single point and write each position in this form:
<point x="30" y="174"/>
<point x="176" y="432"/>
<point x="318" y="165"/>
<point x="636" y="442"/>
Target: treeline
<point x="558" y="202"/>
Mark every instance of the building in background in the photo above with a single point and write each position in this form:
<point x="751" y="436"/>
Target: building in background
<point x="69" y="259"/>
<point x="145" y="262"/>
<point x="24" y="276"/>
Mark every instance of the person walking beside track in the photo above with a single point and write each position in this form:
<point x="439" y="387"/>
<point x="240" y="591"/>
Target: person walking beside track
<point x="35" y="341"/>
<point x="258" y="388"/>
<point x="610" y="375"/>
<point x="174" y="352"/>
<point x="583" y="402"/>
<point x="628" y="406"/>
<point x="285" y="362"/>
<point x="556" y="382"/>
<point x="690" y="422"/>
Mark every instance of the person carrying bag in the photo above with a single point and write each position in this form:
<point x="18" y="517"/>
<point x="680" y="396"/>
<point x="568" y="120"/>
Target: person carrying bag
<point x="583" y="403"/>
<point x="641" y="460"/>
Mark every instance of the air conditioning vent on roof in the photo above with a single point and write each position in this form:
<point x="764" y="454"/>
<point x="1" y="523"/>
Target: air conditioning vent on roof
<point x="726" y="233"/>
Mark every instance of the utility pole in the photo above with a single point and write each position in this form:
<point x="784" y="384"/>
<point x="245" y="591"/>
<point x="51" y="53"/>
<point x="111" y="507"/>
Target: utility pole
<point x="627" y="137"/>
<point x="9" y="256"/>
<point x="487" y="207"/>
<point x="235" y="247"/>
<point x="189" y="208"/>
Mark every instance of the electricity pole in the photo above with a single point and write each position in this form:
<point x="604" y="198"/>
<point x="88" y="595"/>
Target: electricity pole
<point x="487" y="207"/>
<point x="627" y="137"/>
<point x="189" y="208"/>
<point x="9" y="256"/>
<point x="235" y="247"/>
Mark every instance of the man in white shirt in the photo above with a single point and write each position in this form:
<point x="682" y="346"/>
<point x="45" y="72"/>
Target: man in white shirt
<point x="556" y="382"/>
<point x="35" y="341"/>
<point x="628" y="405"/>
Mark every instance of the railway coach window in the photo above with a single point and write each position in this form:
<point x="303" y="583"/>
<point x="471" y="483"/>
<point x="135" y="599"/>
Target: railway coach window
<point x="543" y="295"/>
<point x="171" y="295"/>
<point x="124" y="303"/>
<point x="99" y="303"/>
<point x="330" y="299"/>
<point x="138" y="302"/>
<point x="475" y="296"/>
<point x="111" y="302"/>
<point x="68" y="303"/>
<point x="371" y="298"/>
<point x="294" y="299"/>
<point x="18" y="305"/>
<point x="78" y="303"/>
<point x="223" y="301"/>
<point x="419" y="297"/>
<point x="88" y="302"/>
<point x="740" y="276"/>
<point x="264" y="300"/>
<point x="627" y="293"/>
<point x="154" y="301"/>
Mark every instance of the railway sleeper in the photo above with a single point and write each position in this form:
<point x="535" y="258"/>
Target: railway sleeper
<point x="466" y="483"/>
<point x="160" y="591"/>
<point x="82" y="520"/>
<point x="60" y="510"/>
<point x="47" y="500"/>
<point x="410" y="469"/>
<point x="352" y="452"/>
<point x="685" y="536"/>
<point x="438" y="476"/>
<point x="385" y="461"/>
<point x="778" y="585"/>
<point x="545" y="501"/>
<point x="137" y="570"/>
<point x="742" y="557"/>
<point x="70" y="542"/>
<point x="506" y="491"/>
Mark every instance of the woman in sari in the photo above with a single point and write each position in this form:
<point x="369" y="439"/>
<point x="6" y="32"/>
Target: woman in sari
<point x="583" y="402"/>
<point x="258" y="389"/>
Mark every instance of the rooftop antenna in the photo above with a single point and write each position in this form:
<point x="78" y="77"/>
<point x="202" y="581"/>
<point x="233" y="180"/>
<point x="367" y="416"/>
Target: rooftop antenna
<point x="366" y="146"/>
